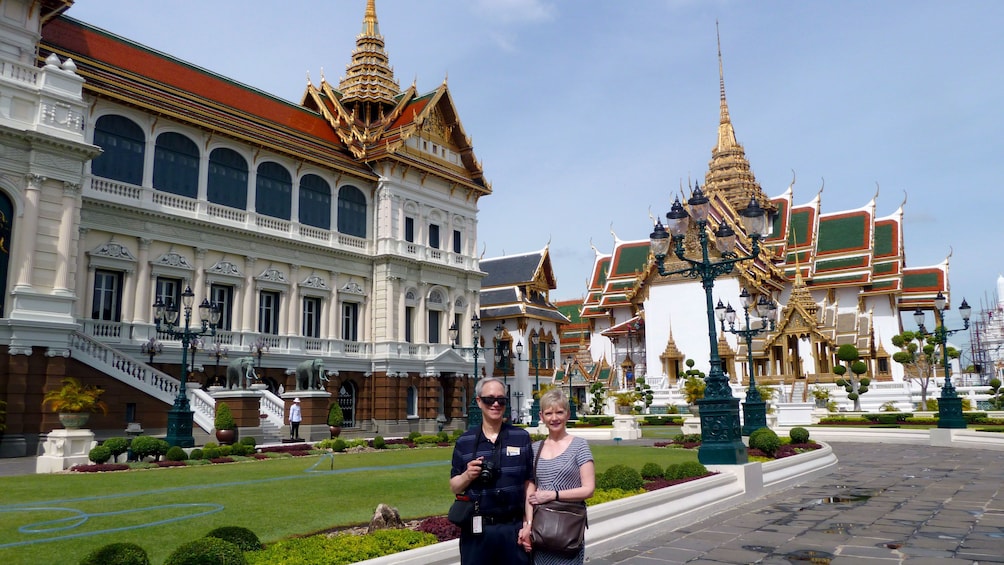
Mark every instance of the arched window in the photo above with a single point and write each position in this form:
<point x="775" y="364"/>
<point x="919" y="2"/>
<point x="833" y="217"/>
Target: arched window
<point x="351" y="211"/>
<point x="227" y="184"/>
<point x="315" y="202"/>
<point x="412" y="401"/>
<point x="123" y="144"/>
<point x="274" y="191"/>
<point x="176" y="165"/>
<point x="6" y="243"/>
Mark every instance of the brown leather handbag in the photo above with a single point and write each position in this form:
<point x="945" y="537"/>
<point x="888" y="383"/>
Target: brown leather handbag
<point x="558" y="526"/>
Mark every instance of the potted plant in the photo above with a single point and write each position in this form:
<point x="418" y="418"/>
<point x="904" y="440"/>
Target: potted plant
<point x="693" y="390"/>
<point x="226" y="428"/>
<point x="74" y="402"/>
<point x="335" y="419"/>
<point x="821" y="396"/>
<point x="626" y="400"/>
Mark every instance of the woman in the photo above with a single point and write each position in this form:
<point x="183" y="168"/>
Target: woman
<point x="565" y="471"/>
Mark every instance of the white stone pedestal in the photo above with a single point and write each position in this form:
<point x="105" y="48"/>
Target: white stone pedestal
<point x="626" y="427"/>
<point x="691" y="425"/>
<point x="64" y="449"/>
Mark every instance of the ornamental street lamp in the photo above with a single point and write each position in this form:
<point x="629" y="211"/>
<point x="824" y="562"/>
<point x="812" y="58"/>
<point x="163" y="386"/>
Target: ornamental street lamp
<point x="180" y="418"/>
<point x="568" y="375"/>
<point x="949" y="404"/>
<point x="152" y="347"/>
<point x="502" y="361"/>
<point x="519" y="407"/>
<point x="218" y="351"/>
<point x="755" y="408"/>
<point x="721" y="442"/>
<point x="473" y="412"/>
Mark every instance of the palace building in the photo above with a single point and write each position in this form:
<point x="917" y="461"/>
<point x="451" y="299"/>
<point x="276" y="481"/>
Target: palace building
<point x="837" y="278"/>
<point x="341" y="228"/>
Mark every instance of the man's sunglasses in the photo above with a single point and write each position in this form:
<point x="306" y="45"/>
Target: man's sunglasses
<point x="489" y="400"/>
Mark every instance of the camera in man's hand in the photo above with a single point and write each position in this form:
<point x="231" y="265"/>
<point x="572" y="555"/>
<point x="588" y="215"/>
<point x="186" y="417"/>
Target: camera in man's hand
<point x="489" y="472"/>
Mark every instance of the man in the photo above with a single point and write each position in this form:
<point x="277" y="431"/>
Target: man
<point x="492" y="466"/>
<point x="295" y="417"/>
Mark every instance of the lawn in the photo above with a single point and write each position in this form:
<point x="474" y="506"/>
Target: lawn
<point x="58" y="518"/>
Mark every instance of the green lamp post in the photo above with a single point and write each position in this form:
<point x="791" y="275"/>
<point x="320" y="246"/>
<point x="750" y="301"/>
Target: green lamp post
<point x="474" y="411"/>
<point x="949" y="403"/>
<point x="755" y="407"/>
<point x="503" y="354"/>
<point x="721" y="439"/>
<point x="570" y="362"/>
<point x="180" y="418"/>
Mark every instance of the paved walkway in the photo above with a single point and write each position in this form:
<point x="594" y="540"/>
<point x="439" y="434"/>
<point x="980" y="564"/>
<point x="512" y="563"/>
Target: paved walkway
<point x="886" y="504"/>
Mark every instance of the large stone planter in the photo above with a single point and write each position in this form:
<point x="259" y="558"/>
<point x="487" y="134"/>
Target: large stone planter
<point x="74" y="420"/>
<point x="226" y="437"/>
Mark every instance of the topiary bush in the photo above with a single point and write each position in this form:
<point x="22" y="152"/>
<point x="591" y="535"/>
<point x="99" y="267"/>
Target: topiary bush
<point x="249" y="440"/>
<point x="117" y="554"/>
<point x="196" y="454"/>
<point x="241" y="449"/>
<point x="176" y="453"/>
<point x="207" y="551"/>
<point x="651" y="470"/>
<point x="685" y="470"/>
<point x="149" y="446"/>
<point x="620" y="477"/>
<point x="338" y="445"/>
<point x="766" y="440"/>
<point x="117" y="445"/>
<point x="242" y="537"/>
<point x="99" y="454"/>
<point x="210" y="452"/>
<point x="379" y="443"/>
<point x="799" y="435"/>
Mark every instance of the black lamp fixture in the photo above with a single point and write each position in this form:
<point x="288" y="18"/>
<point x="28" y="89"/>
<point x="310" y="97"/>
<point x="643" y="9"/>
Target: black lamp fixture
<point x="949" y="403"/>
<point x="474" y="417"/>
<point x="755" y="407"/>
<point x="719" y="411"/>
<point x="180" y="418"/>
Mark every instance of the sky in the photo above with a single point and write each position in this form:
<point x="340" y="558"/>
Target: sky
<point x="588" y="115"/>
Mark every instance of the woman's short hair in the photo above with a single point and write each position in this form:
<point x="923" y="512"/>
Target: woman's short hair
<point x="554" y="398"/>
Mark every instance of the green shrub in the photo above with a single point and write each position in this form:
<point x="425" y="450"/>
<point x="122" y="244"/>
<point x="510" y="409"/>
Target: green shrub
<point x="443" y="437"/>
<point x="426" y="440"/>
<point x="117" y="554"/>
<point x="117" y="445"/>
<point x="651" y="470"/>
<point x="243" y="538"/>
<point x="766" y="440"/>
<point x="335" y="415"/>
<point x="620" y="476"/>
<point x="338" y="445"/>
<point x="242" y="449"/>
<point x="249" y="440"/>
<point x="340" y="549"/>
<point x="196" y="454"/>
<point x="379" y="442"/>
<point x="606" y="495"/>
<point x="206" y="551"/>
<point x="799" y="435"/>
<point x="598" y="420"/>
<point x="226" y="450"/>
<point x="210" y="444"/>
<point x="685" y="470"/>
<point x="224" y="419"/>
<point x="661" y="420"/>
<point x="149" y="446"/>
<point x="413" y="435"/>
<point x="100" y="454"/>
<point x="210" y="452"/>
<point x="176" y="453"/>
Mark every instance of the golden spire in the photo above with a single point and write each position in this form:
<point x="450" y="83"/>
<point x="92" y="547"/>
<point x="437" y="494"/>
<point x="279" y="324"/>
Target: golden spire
<point x="369" y="78"/>
<point x="729" y="172"/>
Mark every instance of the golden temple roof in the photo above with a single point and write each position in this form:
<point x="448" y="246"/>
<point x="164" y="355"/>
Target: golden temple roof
<point x="369" y="77"/>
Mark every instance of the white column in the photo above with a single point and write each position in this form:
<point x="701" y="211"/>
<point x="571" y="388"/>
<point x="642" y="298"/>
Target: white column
<point x="294" y="301"/>
<point x="333" y="309"/>
<point x="64" y="246"/>
<point x="26" y="262"/>
<point x="82" y="273"/>
<point x="143" y="308"/>
<point x="199" y="284"/>
<point x="249" y="295"/>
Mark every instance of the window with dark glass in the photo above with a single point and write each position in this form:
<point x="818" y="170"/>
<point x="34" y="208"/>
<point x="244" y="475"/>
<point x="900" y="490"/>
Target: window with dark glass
<point x="434" y="236"/>
<point x="412" y="401"/>
<point x="176" y="165"/>
<point x="107" y="296"/>
<point x="457" y="241"/>
<point x="315" y="202"/>
<point x="168" y="291"/>
<point x="409" y="323"/>
<point x="311" y="316"/>
<point x="268" y="312"/>
<point x="123" y="143"/>
<point x="433" y="326"/>
<point x="223" y="297"/>
<point x="409" y="230"/>
<point x="227" y="184"/>
<point x="350" y="321"/>
<point x="351" y="211"/>
<point x="274" y="190"/>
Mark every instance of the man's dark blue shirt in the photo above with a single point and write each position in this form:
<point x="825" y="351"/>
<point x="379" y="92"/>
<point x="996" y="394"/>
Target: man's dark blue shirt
<point x="504" y="497"/>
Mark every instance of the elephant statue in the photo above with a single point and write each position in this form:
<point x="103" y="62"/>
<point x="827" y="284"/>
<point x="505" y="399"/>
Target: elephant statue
<point x="240" y="372"/>
<point x="310" y="375"/>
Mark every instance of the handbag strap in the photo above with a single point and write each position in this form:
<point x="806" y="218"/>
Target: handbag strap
<point x="535" y="460"/>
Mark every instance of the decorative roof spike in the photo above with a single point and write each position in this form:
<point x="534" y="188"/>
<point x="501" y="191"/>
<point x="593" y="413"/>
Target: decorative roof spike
<point x="369" y="77"/>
